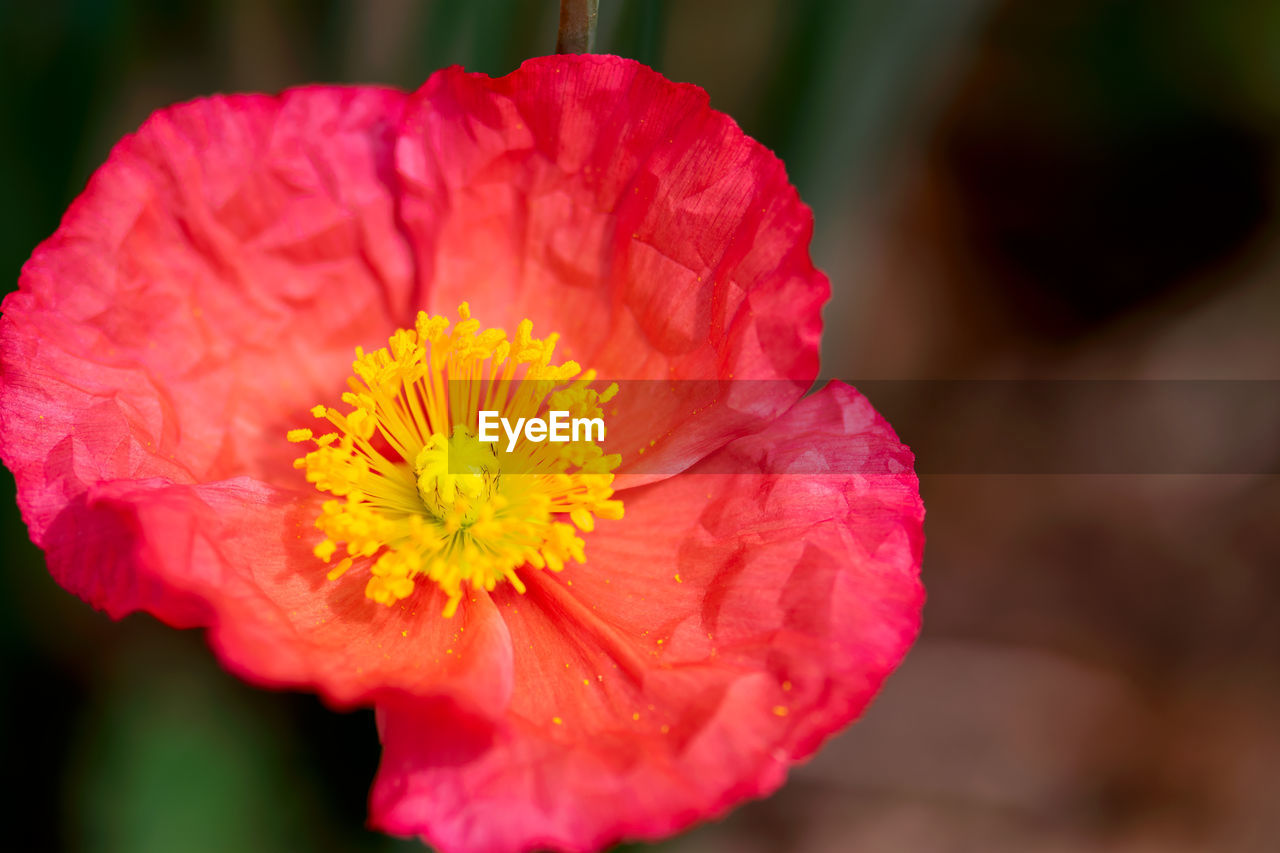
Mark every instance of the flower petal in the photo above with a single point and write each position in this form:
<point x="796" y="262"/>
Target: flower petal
<point x="236" y="556"/>
<point x="199" y="296"/>
<point x="740" y="614"/>
<point x="605" y="203"/>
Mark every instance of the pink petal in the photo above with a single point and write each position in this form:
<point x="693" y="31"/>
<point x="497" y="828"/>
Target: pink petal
<point x="678" y="697"/>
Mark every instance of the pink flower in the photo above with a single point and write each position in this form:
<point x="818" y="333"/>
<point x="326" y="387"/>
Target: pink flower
<point x="707" y="629"/>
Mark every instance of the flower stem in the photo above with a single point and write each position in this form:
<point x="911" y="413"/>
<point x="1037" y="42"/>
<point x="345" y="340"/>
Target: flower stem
<point x="577" y="26"/>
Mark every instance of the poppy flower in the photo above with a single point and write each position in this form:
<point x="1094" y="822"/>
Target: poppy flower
<point x="600" y="649"/>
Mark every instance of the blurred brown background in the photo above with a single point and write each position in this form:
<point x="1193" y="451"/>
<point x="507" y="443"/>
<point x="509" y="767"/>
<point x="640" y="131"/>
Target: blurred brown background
<point x="1003" y="189"/>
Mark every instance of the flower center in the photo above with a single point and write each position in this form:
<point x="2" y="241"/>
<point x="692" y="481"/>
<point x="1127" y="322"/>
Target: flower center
<point x="418" y="494"/>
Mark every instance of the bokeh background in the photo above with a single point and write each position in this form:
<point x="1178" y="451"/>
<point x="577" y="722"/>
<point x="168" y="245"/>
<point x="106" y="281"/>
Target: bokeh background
<point x="1003" y="189"/>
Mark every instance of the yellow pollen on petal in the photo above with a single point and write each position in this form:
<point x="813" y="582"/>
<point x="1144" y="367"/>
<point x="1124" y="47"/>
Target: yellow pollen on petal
<point x="418" y="499"/>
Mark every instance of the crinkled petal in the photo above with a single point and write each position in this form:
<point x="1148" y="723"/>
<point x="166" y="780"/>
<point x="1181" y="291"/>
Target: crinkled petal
<point x="738" y="615"/>
<point x="605" y="203"/>
<point x="205" y="290"/>
<point x="236" y="556"/>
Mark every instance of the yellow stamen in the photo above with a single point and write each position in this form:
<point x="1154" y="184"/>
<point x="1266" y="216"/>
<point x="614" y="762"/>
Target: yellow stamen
<point x="418" y="496"/>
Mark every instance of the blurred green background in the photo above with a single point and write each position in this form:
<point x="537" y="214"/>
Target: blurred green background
<point x="1002" y="188"/>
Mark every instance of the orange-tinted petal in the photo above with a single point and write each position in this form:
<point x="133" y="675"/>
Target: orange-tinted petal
<point x="236" y="556"/>
<point x="720" y="632"/>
